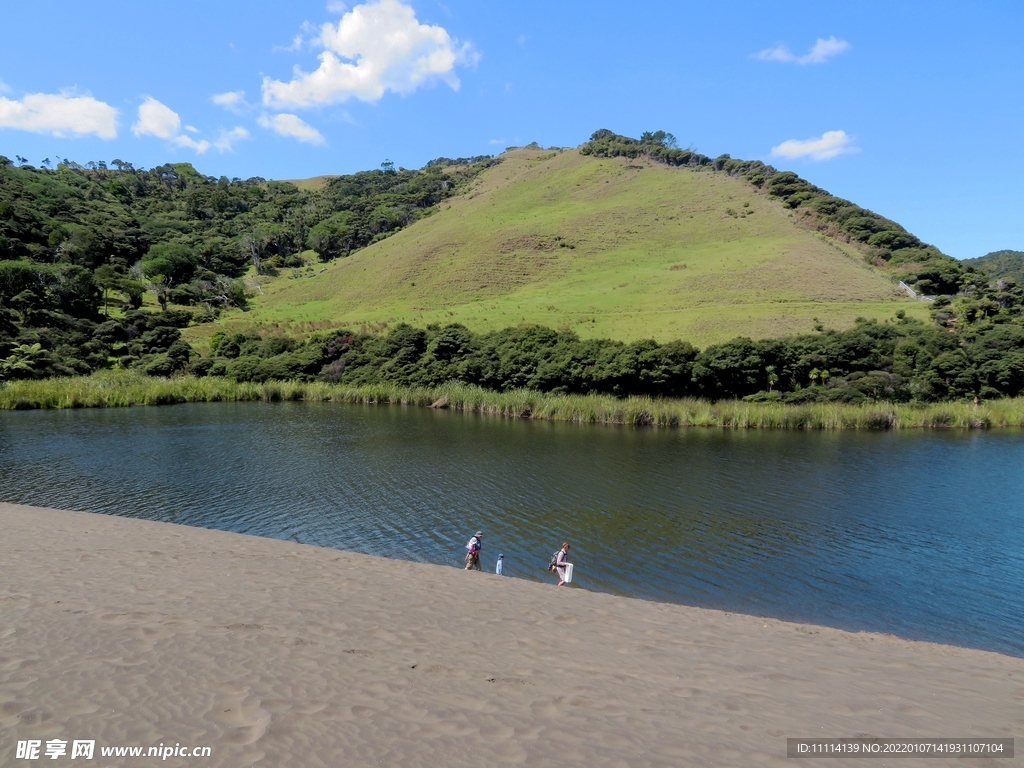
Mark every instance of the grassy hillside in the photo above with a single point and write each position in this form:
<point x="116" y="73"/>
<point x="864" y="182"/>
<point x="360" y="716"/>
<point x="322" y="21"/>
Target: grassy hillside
<point x="1000" y="264"/>
<point x="625" y="239"/>
<point x="313" y="184"/>
<point x="608" y="247"/>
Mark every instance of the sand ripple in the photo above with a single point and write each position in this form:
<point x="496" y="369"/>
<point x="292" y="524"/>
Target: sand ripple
<point x="277" y="654"/>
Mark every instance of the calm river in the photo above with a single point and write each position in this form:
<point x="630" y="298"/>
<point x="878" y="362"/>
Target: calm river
<point x="917" y="534"/>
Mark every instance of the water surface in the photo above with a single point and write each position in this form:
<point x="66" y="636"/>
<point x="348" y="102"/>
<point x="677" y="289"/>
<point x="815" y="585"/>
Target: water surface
<point x="918" y="534"/>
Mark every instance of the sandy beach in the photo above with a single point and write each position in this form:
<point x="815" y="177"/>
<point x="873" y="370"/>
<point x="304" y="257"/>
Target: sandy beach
<point x="272" y="653"/>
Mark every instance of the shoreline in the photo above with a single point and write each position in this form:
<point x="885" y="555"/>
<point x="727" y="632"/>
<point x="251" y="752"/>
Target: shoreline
<point x="130" y="631"/>
<point x="125" y="389"/>
<point x="549" y="580"/>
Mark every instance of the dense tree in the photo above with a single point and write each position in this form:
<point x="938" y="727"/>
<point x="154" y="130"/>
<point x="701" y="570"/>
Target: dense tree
<point x="904" y="360"/>
<point x="78" y="240"/>
<point x="1001" y="264"/>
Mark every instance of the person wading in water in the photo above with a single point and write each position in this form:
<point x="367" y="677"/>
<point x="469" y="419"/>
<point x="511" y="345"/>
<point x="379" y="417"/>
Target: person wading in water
<point x="473" y="547"/>
<point x="561" y="561"/>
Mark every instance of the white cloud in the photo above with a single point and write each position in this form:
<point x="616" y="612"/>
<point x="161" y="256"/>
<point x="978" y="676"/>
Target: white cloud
<point x="233" y="101"/>
<point x="156" y="119"/>
<point x="4" y="87"/>
<point x="226" y="141"/>
<point x="292" y="126"/>
<point x="498" y="142"/>
<point x="824" y="147"/>
<point x="336" y="6"/>
<point x="375" y="48"/>
<point x="296" y="45"/>
<point x="59" y="114"/>
<point x="187" y="141"/>
<point x="308" y="37"/>
<point x="822" y="51"/>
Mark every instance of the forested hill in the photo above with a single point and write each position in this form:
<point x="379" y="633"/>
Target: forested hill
<point x="1000" y="265"/>
<point x="81" y="246"/>
<point x="89" y="254"/>
<point x="629" y="238"/>
<point x="175" y="226"/>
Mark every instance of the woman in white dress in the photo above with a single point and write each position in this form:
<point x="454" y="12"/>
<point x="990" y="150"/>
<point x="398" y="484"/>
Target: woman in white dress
<point x="561" y="561"/>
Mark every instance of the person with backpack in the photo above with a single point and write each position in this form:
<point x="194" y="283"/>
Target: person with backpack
<point x="473" y="547"/>
<point x="560" y="563"/>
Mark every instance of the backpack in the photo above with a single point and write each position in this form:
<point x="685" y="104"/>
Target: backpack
<point x="553" y="562"/>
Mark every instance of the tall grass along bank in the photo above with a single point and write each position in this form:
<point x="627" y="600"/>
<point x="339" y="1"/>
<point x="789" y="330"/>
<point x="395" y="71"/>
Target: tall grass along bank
<point x="121" y="389"/>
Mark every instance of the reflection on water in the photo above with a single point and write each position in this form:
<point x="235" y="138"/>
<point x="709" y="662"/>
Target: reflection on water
<point x="918" y="534"/>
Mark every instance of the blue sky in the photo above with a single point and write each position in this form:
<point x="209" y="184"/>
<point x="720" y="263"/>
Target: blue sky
<point x="914" y="110"/>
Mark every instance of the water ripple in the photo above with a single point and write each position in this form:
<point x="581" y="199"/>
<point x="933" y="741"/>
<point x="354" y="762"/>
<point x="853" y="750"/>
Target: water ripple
<point x="921" y="535"/>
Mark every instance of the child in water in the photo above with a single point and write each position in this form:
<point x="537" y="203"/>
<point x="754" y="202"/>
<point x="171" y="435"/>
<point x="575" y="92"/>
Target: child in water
<point x="473" y="547"/>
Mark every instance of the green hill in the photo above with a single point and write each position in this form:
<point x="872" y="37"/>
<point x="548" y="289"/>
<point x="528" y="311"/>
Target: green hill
<point x="313" y="184"/>
<point x="619" y="247"/>
<point x="1000" y="264"/>
<point x="633" y="240"/>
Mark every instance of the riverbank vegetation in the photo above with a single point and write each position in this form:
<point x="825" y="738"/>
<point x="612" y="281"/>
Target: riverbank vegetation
<point x="127" y="388"/>
<point x="900" y="361"/>
<point x="903" y="360"/>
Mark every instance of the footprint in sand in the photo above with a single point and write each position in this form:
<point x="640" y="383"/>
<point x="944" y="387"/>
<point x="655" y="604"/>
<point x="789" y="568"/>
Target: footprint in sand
<point x="17" y="685"/>
<point x="310" y="707"/>
<point x="7" y="664"/>
<point x="34" y="717"/>
<point x="151" y="633"/>
<point x="686" y="692"/>
<point x="364" y="713"/>
<point x="242" y="717"/>
<point x="124" y="618"/>
<point x="10" y="714"/>
<point x="297" y="642"/>
<point x="122" y="661"/>
<point x="548" y="708"/>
